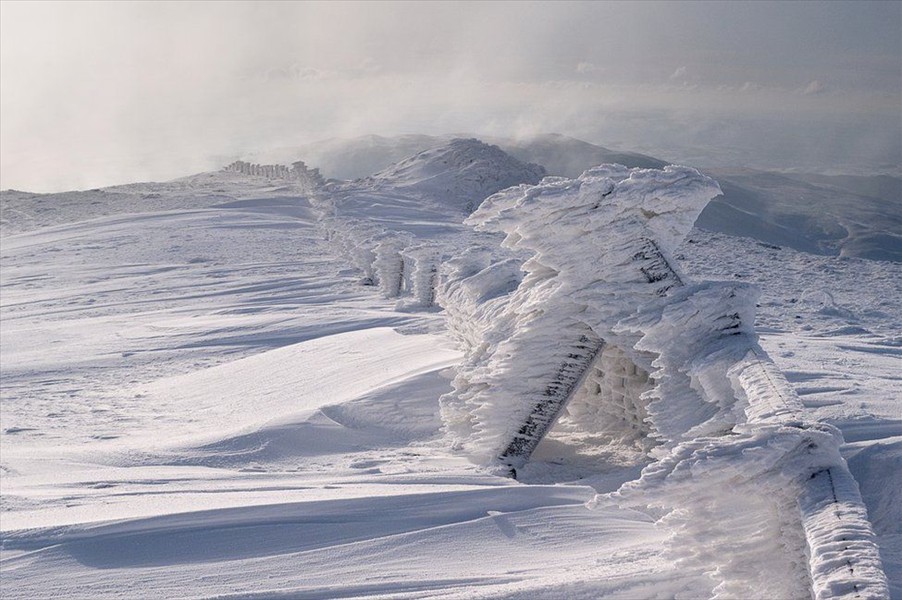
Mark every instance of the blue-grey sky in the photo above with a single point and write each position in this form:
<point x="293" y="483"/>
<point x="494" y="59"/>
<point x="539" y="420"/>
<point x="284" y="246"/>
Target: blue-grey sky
<point x="100" y="93"/>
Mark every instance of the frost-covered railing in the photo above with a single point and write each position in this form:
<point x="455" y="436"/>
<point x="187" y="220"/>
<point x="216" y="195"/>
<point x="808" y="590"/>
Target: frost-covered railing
<point x="298" y="171"/>
<point x="600" y="244"/>
<point x="740" y="475"/>
<point x="750" y="460"/>
<point x="395" y="262"/>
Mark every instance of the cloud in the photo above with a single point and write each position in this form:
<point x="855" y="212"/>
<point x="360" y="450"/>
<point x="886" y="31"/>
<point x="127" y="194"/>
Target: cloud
<point x="814" y="87"/>
<point x="89" y="99"/>
<point x="680" y="73"/>
<point x="587" y="68"/>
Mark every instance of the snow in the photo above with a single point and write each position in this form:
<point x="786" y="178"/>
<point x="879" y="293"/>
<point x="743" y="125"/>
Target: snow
<point x="537" y="340"/>
<point x="201" y="400"/>
<point x="856" y="216"/>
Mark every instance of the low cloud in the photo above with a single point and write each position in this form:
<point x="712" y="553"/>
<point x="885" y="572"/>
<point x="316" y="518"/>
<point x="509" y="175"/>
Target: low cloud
<point x="587" y="68"/>
<point x="679" y="73"/>
<point x="89" y="99"/>
<point x="814" y="87"/>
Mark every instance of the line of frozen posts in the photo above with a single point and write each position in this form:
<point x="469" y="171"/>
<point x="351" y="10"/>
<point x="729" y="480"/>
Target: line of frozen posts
<point x="584" y="316"/>
<point x="392" y="261"/>
<point x="298" y="171"/>
<point x="397" y="263"/>
<point x="599" y="326"/>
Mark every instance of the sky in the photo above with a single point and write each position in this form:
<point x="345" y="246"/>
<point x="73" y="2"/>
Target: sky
<point x="97" y="93"/>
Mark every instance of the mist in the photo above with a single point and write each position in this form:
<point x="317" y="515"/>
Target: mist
<point x="95" y="94"/>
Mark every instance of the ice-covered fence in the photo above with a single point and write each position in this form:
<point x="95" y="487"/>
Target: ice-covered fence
<point x="424" y="261"/>
<point x="739" y="454"/>
<point x="356" y="241"/>
<point x="298" y="171"/>
<point x="600" y="244"/>
<point x="392" y="260"/>
<point x="613" y="400"/>
<point x="389" y="266"/>
<point x="741" y="475"/>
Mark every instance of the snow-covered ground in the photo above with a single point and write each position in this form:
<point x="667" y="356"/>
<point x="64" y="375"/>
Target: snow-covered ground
<point x="200" y="399"/>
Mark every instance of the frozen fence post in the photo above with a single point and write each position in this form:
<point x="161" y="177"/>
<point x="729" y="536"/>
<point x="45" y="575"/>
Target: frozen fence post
<point x="777" y="474"/>
<point x="389" y="266"/>
<point x="600" y="243"/>
<point x="424" y="275"/>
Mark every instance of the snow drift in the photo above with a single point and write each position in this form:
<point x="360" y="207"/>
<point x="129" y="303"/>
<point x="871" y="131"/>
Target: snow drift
<point x="419" y="203"/>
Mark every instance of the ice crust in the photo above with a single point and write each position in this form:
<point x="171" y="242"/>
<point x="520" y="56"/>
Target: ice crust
<point x="737" y="465"/>
<point x="626" y="220"/>
<point x="756" y="472"/>
<point x="403" y="250"/>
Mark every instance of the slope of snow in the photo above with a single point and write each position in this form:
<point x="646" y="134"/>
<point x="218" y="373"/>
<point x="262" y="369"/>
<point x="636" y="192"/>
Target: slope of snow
<point x="461" y="172"/>
<point x="200" y="400"/>
<point x="810" y="214"/>
<point x="195" y="392"/>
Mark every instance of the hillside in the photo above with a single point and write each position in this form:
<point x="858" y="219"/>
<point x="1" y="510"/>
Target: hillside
<point x="201" y="399"/>
<point x="823" y="214"/>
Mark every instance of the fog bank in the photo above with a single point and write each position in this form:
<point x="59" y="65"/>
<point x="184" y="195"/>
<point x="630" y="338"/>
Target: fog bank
<point x="100" y="93"/>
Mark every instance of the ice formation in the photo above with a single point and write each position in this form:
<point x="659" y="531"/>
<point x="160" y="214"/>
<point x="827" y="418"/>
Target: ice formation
<point x="402" y="250"/>
<point x="602" y="323"/>
<point x="740" y="466"/>
<point x="601" y="243"/>
<point x="298" y="171"/>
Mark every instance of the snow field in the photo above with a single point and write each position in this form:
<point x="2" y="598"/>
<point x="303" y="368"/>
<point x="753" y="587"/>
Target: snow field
<point x="205" y="403"/>
<point x="211" y="424"/>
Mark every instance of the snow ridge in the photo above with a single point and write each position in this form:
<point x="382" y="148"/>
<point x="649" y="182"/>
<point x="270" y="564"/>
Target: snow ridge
<point x="462" y="172"/>
<point x="400" y="224"/>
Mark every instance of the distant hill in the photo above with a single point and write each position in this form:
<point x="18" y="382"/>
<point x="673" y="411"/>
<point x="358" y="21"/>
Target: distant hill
<point x="812" y="213"/>
<point x="569" y="157"/>
<point x="354" y="158"/>
<point x="466" y="170"/>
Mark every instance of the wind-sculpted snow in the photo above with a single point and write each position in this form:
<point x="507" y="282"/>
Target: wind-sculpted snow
<point x="752" y="462"/>
<point x="531" y="339"/>
<point x="688" y="337"/>
<point x="399" y="225"/>
<point x="603" y="320"/>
